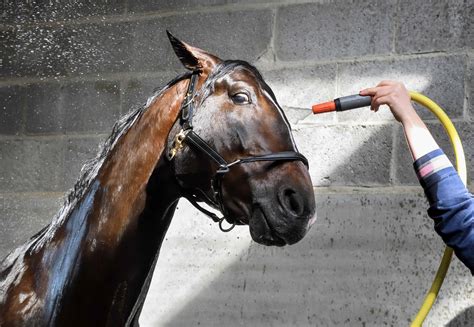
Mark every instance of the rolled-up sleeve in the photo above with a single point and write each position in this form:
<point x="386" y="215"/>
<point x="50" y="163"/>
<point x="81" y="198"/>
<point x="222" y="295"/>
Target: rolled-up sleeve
<point x="451" y="204"/>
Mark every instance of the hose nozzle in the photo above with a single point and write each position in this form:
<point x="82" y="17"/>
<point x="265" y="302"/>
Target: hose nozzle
<point x="342" y="104"/>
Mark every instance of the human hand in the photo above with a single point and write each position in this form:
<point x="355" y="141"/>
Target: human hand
<point x="395" y="95"/>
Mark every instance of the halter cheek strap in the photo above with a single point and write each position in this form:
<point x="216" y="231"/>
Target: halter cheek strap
<point x="188" y="137"/>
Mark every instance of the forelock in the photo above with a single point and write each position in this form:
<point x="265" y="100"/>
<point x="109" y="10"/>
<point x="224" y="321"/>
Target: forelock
<point x="226" y="67"/>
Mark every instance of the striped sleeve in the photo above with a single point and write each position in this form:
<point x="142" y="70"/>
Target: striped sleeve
<point x="432" y="168"/>
<point x="432" y="165"/>
<point x="451" y="204"/>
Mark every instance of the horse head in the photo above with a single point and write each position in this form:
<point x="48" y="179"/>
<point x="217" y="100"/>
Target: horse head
<point x="233" y="149"/>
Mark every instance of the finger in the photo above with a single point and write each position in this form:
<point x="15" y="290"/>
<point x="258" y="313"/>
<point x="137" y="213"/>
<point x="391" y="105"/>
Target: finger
<point x="376" y="91"/>
<point x="378" y="101"/>
<point x="387" y="83"/>
<point x="374" y="106"/>
<point x="369" y="91"/>
<point x="383" y="91"/>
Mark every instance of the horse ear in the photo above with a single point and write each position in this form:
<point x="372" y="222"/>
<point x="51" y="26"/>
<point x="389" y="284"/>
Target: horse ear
<point x="192" y="58"/>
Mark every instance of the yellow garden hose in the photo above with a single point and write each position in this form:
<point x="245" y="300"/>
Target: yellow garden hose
<point x="462" y="171"/>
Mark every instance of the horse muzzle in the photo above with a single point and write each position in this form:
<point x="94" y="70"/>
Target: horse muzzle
<point x="284" y="220"/>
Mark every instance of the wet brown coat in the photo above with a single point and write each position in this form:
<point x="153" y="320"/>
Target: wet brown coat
<point x="96" y="267"/>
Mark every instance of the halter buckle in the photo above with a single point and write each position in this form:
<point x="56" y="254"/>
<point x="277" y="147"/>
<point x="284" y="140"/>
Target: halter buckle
<point x="223" y="169"/>
<point x="177" y="144"/>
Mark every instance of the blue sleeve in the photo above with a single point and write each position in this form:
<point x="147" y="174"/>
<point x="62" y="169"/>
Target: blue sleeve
<point x="451" y="204"/>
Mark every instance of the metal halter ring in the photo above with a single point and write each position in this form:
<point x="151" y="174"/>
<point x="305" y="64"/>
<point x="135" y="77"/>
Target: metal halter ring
<point x="225" y="230"/>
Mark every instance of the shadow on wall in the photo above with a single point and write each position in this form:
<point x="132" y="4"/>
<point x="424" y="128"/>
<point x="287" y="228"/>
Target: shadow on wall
<point x="368" y="260"/>
<point x="465" y="318"/>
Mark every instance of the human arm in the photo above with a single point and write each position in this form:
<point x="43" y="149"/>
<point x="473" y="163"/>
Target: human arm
<point x="451" y="205"/>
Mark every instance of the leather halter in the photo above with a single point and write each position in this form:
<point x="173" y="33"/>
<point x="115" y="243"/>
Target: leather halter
<point x="187" y="136"/>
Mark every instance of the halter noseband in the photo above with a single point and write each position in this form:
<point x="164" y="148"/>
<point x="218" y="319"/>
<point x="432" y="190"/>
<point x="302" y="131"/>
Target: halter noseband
<point x="187" y="136"/>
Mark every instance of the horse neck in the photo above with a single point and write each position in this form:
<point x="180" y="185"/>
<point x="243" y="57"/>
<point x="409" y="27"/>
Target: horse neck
<point x="136" y="174"/>
<point x="107" y="246"/>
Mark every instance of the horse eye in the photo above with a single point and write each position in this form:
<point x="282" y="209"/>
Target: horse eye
<point x="241" y="98"/>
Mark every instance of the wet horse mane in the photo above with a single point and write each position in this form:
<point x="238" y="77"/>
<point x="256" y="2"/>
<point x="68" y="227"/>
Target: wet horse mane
<point x="89" y="172"/>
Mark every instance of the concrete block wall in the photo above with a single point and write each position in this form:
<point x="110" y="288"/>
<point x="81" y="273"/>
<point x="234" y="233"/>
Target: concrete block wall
<point x="70" y="69"/>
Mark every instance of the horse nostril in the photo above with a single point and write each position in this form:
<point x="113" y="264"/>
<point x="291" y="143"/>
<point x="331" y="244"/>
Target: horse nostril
<point x="292" y="202"/>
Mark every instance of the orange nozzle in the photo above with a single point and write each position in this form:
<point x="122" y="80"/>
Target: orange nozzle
<point x="324" y="107"/>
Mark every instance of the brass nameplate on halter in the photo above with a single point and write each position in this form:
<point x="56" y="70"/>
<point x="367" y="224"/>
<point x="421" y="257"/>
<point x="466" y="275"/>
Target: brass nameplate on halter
<point x="177" y="144"/>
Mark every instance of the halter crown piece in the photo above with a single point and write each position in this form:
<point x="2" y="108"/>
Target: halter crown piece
<point x="187" y="136"/>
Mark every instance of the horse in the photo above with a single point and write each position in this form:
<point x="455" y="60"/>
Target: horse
<point x="214" y="135"/>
